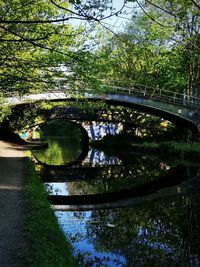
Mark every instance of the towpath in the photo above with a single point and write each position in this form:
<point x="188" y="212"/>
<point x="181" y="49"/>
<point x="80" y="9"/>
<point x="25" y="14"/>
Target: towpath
<point x="12" y="210"/>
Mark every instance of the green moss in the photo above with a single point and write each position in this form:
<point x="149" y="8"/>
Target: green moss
<point x="47" y="244"/>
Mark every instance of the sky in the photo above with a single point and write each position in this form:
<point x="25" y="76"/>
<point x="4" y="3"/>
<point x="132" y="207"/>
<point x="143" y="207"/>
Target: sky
<point x="118" y="22"/>
<point x="115" y="23"/>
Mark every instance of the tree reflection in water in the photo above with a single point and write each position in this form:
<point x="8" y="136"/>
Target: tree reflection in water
<point x="161" y="233"/>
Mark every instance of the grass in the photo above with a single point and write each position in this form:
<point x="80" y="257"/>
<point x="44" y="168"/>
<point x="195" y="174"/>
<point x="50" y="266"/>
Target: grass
<point x="48" y="246"/>
<point x="127" y="142"/>
<point x="175" y="147"/>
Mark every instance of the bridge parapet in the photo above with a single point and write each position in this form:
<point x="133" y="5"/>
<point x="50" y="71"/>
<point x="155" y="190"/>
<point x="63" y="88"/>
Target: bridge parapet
<point x="149" y="92"/>
<point x="173" y="103"/>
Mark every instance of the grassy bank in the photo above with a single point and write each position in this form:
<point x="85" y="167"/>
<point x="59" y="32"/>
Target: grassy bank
<point x="173" y="147"/>
<point x="47" y="244"/>
<point x="129" y="143"/>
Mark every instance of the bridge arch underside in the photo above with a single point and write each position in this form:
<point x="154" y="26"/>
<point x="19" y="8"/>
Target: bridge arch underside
<point x="176" y="119"/>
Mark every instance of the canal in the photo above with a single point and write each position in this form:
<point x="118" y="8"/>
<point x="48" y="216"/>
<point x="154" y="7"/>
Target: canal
<point x="128" y="209"/>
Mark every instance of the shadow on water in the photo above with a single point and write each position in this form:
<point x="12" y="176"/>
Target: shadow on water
<point x="142" y="212"/>
<point x="172" y="178"/>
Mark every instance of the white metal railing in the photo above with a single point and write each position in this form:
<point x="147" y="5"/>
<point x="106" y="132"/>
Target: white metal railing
<point x="158" y="94"/>
<point x="136" y="90"/>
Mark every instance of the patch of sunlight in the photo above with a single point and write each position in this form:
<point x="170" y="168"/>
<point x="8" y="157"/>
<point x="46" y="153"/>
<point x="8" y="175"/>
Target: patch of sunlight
<point x="10" y="187"/>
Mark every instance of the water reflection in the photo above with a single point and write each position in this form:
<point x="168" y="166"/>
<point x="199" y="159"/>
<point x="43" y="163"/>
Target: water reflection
<point x="67" y="151"/>
<point x="87" y="254"/>
<point x="157" y="227"/>
<point x="65" y="146"/>
<point x="60" y="151"/>
<point x="56" y="189"/>
<point x="64" y="143"/>
<point x="160" y="229"/>
<point x="160" y="233"/>
<point x="109" y="178"/>
<point x="97" y="157"/>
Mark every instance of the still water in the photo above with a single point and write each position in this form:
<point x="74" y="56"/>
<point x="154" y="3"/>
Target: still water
<point x="131" y="210"/>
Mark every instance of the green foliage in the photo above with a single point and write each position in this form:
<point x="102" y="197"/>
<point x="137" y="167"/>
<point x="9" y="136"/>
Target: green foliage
<point x="59" y="151"/>
<point x="64" y="142"/>
<point x="34" y="53"/>
<point x="4" y="113"/>
<point x="155" y="228"/>
<point x="60" y="128"/>
<point x="193" y="147"/>
<point x="159" y="47"/>
<point x="189" y="150"/>
<point x="41" y="51"/>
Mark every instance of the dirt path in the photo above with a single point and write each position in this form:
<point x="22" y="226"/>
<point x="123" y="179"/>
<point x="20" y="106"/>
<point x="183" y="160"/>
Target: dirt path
<point x="12" y="173"/>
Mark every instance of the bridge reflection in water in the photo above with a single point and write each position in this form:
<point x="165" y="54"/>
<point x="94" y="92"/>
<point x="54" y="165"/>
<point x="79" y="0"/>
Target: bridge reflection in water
<point x="146" y="211"/>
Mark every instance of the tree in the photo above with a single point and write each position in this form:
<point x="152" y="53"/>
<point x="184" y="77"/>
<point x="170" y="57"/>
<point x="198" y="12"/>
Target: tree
<point x="38" y="44"/>
<point x="30" y="54"/>
<point x="159" y="47"/>
<point x="40" y="50"/>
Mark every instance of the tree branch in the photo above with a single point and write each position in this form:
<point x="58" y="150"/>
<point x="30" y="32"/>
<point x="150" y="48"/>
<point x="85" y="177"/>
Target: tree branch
<point x="36" y="21"/>
<point x="69" y="55"/>
<point x="198" y="6"/>
<point x="20" y="40"/>
<point x="76" y="16"/>
<point x="159" y="7"/>
<point x="162" y="25"/>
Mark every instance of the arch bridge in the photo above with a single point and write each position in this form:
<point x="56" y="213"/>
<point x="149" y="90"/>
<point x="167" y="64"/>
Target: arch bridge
<point x="178" y="108"/>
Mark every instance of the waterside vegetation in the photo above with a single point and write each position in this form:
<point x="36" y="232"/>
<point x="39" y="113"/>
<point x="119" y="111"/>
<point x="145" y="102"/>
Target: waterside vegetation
<point x="118" y="142"/>
<point x="47" y="245"/>
<point x="42" y="51"/>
